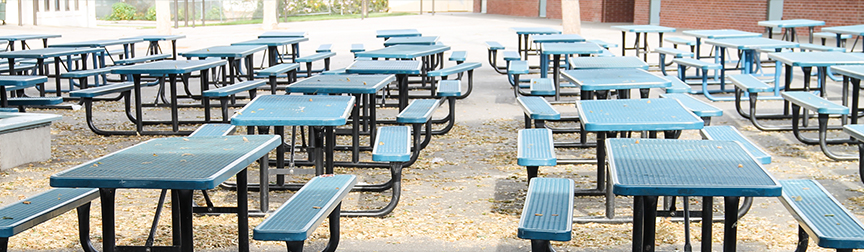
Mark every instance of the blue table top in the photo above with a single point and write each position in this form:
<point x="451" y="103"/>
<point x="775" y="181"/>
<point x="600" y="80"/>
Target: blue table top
<point x="295" y="110"/>
<point x="282" y="34"/>
<point x="28" y="36"/>
<point x="608" y="62"/>
<point x="385" y="67"/>
<point x="751" y="43"/>
<point x="233" y="51"/>
<point x="193" y="163"/>
<point x="21" y="80"/>
<point x="816" y="59"/>
<point x="655" y="167"/>
<point x="611" y="79"/>
<point x="15" y="121"/>
<point x="277" y="41"/>
<point x="404" y="51"/>
<point x="724" y="33"/>
<point x="397" y="33"/>
<point x="422" y="40"/>
<point x="168" y="67"/>
<point x="557" y="38"/>
<point x="571" y="48"/>
<point x="791" y="23"/>
<point x="158" y="37"/>
<point x="636" y="115"/>
<point x="854" y="71"/>
<point x="341" y="84"/>
<point x="48" y="52"/>
<point x="99" y="43"/>
<point x="849" y="29"/>
<point x="644" y="28"/>
<point x="534" y="30"/>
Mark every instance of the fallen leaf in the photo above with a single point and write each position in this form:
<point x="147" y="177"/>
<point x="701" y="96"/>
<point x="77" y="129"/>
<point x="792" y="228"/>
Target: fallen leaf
<point x="26" y="202"/>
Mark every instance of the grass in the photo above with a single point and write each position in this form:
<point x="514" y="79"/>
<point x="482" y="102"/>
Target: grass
<point x="296" y="19"/>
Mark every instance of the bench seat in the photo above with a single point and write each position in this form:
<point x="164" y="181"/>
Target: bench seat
<point x="815" y="103"/>
<point x="315" y="57"/>
<point x="449" y="88"/>
<point x="749" y="83"/>
<point x="419" y="111"/>
<point x="698" y="107"/>
<point x="357" y="48"/>
<point x="34" y="101"/>
<point x="547" y="213"/>
<point x="602" y="43"/>
<point x="674" y="52"/>
<point x="458" y="56"/>
<point x="27" y="213"/>
<point x="86" y="73"/>
<point x="518" y="67"/>
<point x="233" y="88"/>
<point x="103" y="90"/>
<point x="680" y="41"/>
<point x="459" y="68"/>
<point x="296" y="220"/>
<point x="277" y="70"/>
<point x="820" y="48"/>
<point x="677" y="86"/>
<point x="542" y="86"/>
<point x="729" y="133"/>
<point x="511" y="55"/>
<point x="213" y="129"/>
<point x="19" y="67"/>
<point x="535" y="148"/>
<point x="538" y="110"/>
<point x="22" y="80"/>
<point x="392" y="144"/>
<point x="820" y="216"/>
<point x="494" y="46"/>
<point x="142" y="59"/>
<point x="324" y="48"/>
<point x="334" y="72"/>
<point x="690" y="62"/>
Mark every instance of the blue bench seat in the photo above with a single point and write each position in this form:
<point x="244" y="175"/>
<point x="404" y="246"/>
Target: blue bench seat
<point x="339" y="71"/>
<point x="542" y="86"/>
<point x="729" y="133"/>
<point x="494" y="46"/>
<point x="548" y="212"/>
<point x="680" y="41"/>
<point x="492" y="49"/>
<point x="357" y="48"/>
<point x="449" y="88"/>
<point x="830" y="35"/>
<point x="511" y="55"/>
<point x="677" y="53"/>
<point x="535" y="148"/>
<point x="820" y="48"/>
<point x="820" y="216"/>
<point x="103" y="90"/>
<point x="86" y="73"/>
<point x="516" y="68"/>
<point x="458" y="56"/>
<point x="677" y="86"/>
<point x="537" y="110"/>
<point x="142" y="59"/>
<point x="296" y="220"/>
<point x="325" y="48"/>
<point x="418" y="112"/>
<point x="271" y="73"/>
<point x="316" y="57"/>
<point x="392" y="144"/>
<point x="824" y="109"/>
<point x="30" y="212"/>
<point x="213" y="129"/>
<point x="813" y="102"/>
<point x="684" y="63"/>
<point x="19" y="67"/>
<point x="22" y="102"/>
<point x="602" y="43"/>
<point x="699" y="108"/>
<point x="225" y="93"/>
<point x="459" y="70"/>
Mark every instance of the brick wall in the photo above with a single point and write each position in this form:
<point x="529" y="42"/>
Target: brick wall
<point x="716" y="14"/>
<point x="553" y="9"/>
<point x="833" y="12"/>
<point x="591" y="10"/>
<point x="522" y="8"/>
<point x="618" y="11"/>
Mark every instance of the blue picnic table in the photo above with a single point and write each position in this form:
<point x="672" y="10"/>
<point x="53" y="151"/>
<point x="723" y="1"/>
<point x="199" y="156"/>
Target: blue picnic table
<point x="320" y="112"/>
<point x="44" y="53"/>
<point x="854" y="30"/>
<point x="154" y="48"/>
<point x="607" y="62"/>
<point x="717" y="34"/>
<point x="648" y="168"/>
<point x="234" y="54"/>
<point x="559" y="49"/>
<point x="127" y="43"/>
<point x="819" y="60"/>
<point x="641" y="30"/>
<point x="606" y="117"/>
<point x="748" y="48"/>
<point x="853" y="74"/>
<point x="273" y="45"/>
<point x="17" y="83"/>
<point x="557" y="38"/>
<point x="179" y="164"/>
<point x="789" y="26"/>
<point x="172" y="69"/>
<point x="623" y="79"/>
<point x="283" y="34"/>
<point x="420" y="40"/>
<point x="10" y="46"/>
<point x="401" y="68"/>
<point x="387" y="34"/>
<point x="523" y="35"/>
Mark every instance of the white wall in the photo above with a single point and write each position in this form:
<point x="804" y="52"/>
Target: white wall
<point x="85" y="16"/>
<point x="440" y="5"/>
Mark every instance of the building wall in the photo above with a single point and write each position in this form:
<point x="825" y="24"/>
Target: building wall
<point x="84" y="16"/>
<point x="615" y="11"/>
<point x="833" y="12"/>
<point x="553" y="9"/>
<point x="522" y="8"/>
<point x="716" y="14"/>
<point x="591" y="10"/>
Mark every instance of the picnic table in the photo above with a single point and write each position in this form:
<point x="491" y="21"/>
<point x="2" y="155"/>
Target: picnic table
<point x="182" y="165"/>
<point x="320" y="112"/>
<point x="648" y="168"/>
<point x="854" y="30"/>
<point x="154" y="48"/>
<point x="420" y="40"/>
<point x="853" y="74"/>
<point x="602" y="80"/>
<point x="273" y="45"/>
<point x="364" y="89"/>
<point x="608" y="117"/>
<point x="820" y="60"/>
<point x="789" y="27"/>
<point x="173" y="69"/>
<point x="523" y="35"/>
<point x="17" y="83"/>
<point x="387" y="34"/>
<point x="748" y="48"/>
<point x="43" y="53"/>
<point x="557" y="38"/>
<point x="717" y="34"/>
<point x="641" y="30"/>
<point x="607" y="62"/>
<point x="401" y="68"/>
<point x="24" y="37"/>
<point x="283" y="34"/>
<point x="558" y="49"/>
<point x="234" y="54"/>
<point x="127" y="43"/>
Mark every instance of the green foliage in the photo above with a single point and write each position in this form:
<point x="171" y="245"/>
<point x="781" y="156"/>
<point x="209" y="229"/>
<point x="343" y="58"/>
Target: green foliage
<point x="122" y="11"/>
<point x="299" y="7"/>
<point x="215" y="13"/>
<point x="151" y="13"/>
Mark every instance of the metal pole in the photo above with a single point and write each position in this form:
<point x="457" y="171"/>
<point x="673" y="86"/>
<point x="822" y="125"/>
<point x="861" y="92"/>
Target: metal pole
<point x="35" y="8"/>
<point x="193" y="14"/>
<point x="20" y="12"/>
<point x="421" y="7"/>
<point x="176" y="13"/>
<point x="433" y="7"/>
<point x="186" y="13"/>
<point x="203" y="11"/>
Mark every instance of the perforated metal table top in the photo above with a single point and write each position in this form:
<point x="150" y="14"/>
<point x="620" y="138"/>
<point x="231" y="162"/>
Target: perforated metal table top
<point x="644" y="28"/>
<point x="854" y="71"/>
<point x="273" y="41"/>
<point x="723" y="33"/>
<point x="557" y="38"/>
<point x="817" y="59"/>
<point x="610" y="79"/>
<point x="397" y="33"/>
<point x="295" y="110"/>
<point x="791" y="23"/>
<point x="403" y="51"/>
<point x="608" y="62"/>
<point x="636" y="115"/>
<point x="571" y="48"/>
<point x="225" y="51"/>
<point x="169" y="67"/>
<point x="49" y="52"/>
<point x="654" y="167"/>
<point x="28" y="36"/>
<point x="185" y="163"/>
<point x="341" y="84"/>
<point x="751" y="43"/>
<point x="99" y="43"/>
<point x="384" y="67"/>
<point x="534" y="30"/>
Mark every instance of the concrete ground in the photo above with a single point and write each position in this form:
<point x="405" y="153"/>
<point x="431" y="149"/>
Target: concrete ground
<point x="466" y="192"/>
